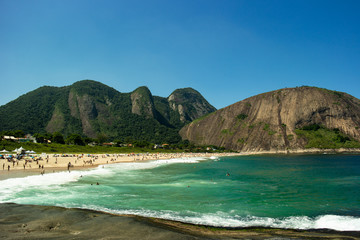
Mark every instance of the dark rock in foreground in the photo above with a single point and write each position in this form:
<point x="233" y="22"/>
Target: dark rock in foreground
<point x="46" y="222"/>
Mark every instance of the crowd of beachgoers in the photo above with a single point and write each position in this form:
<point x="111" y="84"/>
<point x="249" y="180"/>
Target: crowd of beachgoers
<point x="43" y="162"/>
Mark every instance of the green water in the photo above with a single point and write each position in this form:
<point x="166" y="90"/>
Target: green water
<point x="311" y="191"/>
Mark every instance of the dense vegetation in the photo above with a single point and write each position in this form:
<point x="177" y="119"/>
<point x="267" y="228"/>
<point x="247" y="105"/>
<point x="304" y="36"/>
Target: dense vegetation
<point x="91" y="109"/>
<point x="25" y="111"/>
<point x="318" y="136"/>
<point x="74" y="143"/>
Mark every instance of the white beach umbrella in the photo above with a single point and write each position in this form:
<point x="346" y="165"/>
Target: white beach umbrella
<point x="19" y="151"/>
<point x="4" y="151"/>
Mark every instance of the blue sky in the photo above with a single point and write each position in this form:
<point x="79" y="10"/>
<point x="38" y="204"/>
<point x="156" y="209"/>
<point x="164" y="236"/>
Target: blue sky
<point x="228" y="50"/>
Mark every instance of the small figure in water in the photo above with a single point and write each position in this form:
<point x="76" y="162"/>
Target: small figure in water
<point x="97" y="183"/>
<point x="228" y="174"/>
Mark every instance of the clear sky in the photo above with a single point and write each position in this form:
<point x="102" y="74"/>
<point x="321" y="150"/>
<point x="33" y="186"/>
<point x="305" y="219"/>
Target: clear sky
<point x="228" y="50"/>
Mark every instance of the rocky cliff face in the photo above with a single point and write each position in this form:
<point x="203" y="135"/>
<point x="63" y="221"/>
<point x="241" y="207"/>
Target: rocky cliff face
<point x="189" y="104"/>
<point x="268" y="121"/>
<point x="82" y="107"/>
<point x="142" y="102"/>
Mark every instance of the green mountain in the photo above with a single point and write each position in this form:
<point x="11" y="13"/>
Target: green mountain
<point x="283" y="120"/>
<point x="91" y="108"/>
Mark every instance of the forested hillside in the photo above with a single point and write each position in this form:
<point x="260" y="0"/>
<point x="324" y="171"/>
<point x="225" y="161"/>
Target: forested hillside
<point x="90" y="108"/>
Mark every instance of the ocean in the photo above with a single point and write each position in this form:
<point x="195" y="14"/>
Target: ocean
<point x="280" y="191"/>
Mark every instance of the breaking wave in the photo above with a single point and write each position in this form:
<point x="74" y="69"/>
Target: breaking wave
<point x="221" y="219"/>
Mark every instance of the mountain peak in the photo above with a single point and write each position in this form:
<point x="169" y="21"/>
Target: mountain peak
<point x="189" y="104"/>
<point x="142" y="90"/>
<point x="142" y="102"/>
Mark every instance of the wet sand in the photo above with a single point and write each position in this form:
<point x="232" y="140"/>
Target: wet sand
<point x="47" y="222"/>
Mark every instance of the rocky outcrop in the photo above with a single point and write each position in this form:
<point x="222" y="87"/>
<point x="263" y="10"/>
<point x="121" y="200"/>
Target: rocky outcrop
<point x="268" y="121"/>
<point x="57" y="121"/>
<point x="189" y="104"/>
<point x="142" y="102"/>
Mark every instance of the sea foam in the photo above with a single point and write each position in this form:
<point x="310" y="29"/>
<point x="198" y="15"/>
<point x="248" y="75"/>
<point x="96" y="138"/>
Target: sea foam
<point x="153" y="164"/>
<point x="221" y="219"/>
<point x="9" y="187"/>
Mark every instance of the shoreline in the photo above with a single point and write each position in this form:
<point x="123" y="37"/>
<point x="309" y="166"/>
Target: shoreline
<point x="59" y="162"/>
<point x="33" y="222"/>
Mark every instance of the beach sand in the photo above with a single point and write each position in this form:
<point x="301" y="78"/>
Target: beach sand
<point x="60" y="162"/>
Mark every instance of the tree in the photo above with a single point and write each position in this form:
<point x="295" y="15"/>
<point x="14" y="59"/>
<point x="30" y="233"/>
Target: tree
<point x="48" y="136"/>
<point x="75" y="139"/>
<point x="129" y="140"/>
<point x="18" y="133"/>
<point x="40" y="138"/>
<point x="118" y="142"/>
<point x="58" y="138"/>
<point x="102" y="137"/>
<point x="88" y="140"/>
<point x="142" y="144"/>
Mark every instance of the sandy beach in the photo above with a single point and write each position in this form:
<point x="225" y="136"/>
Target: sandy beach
<point x="43" y="164"/>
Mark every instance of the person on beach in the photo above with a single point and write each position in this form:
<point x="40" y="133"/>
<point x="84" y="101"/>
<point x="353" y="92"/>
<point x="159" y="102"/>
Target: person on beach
<point x="69" y="165"/>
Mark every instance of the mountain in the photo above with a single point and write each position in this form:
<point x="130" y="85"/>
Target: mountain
<point x="91" y="108"/>
<point x="286" y="119"/>
<point x="185" y="105"/>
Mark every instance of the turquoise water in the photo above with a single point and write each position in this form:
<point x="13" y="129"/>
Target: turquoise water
<point x="310" y="191"/>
